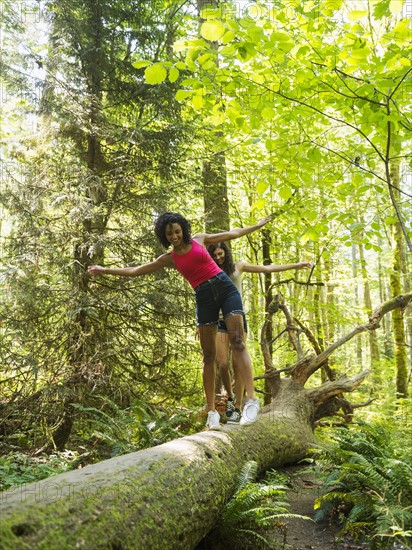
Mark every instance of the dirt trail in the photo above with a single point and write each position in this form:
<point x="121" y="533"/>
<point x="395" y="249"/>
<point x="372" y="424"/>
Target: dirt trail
<point x="303" y="534"/>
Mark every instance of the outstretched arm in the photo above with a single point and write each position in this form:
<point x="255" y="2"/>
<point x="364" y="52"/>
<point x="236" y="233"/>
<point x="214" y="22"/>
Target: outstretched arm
<point x="246" y="267"/>
<point x="205" y="238"/>
<point x="162" y="261"/>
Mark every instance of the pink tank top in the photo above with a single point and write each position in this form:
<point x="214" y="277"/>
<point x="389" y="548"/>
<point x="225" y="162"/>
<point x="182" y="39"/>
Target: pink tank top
<point x="197" y="266"/>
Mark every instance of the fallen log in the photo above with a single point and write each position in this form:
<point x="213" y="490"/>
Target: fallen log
<point x="164" y="497"/>
<point x="169" y="497"/>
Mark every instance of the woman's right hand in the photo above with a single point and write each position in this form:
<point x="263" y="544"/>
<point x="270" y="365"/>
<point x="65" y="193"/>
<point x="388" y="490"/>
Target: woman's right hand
<point x="95" y="270"/>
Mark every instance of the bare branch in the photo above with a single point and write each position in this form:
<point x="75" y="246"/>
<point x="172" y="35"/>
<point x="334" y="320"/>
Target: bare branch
<point x="331" y="389"/>
<point x="301" y="375"/>
<point x="400" y="302"/>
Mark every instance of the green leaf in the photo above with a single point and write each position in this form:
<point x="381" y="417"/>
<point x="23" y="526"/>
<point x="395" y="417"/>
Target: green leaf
<point x="140" y="64"/>
<point x="285" y="192"/>
<point x="328" y="7"/>
<point x="258" y="205"/>
<point x="202" y="59"/>
<point x="209" y="12"/>
<point x="155" y="74"/>
<point x="381" y="9"/>
<point x="255" y="35"/>
<point x="302" y="51"/>
<point x="355" y="15"/>
<point x="364" y="189"/>
<point x="262" y="186"/>
<point x="240" y="121"/>
<point x="302" y="76"/>
<point x="173" y="74"/>
<point x="402" y="32"/>
<point x="247" y="22"/>
<point x="228" y="50"/>
<point x="228" y="37"/>
<point x="396" y="6"/>
<point x="268" y="113"/>
<point x="280" y="37"/>
<point x="270" y="144"/>
<point x="344" y="189"/>
<point x="197" y="102"/>
<point x="365" y="89"/>
<point x="217" y="118"/>
<point x="232" y="24"/>
<point x="354" y="227"/>
<point x="315" y="155"/>
<point x="357" y="179"/>
<point x="180" y="45"/>
<point x="183" y="94"/>
<point x="310" y="215"/>
<point x="309" y="235"/>
<point x="212" y="30"/>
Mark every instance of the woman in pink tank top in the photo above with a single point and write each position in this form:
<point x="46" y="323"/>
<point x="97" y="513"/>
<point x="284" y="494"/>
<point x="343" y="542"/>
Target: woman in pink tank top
<point x="214" y="292"/>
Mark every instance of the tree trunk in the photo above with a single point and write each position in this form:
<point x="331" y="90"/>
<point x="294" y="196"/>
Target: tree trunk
<point x="81" y="344"/>
<point x="383" y="295"/>
<point x="318" y="301"/>
<point x="266" y="245"/>
<point x="373" y="340"/>
<point x="359" y="346"/>
<point x="396" y="288"/>
<point x="214" y="174"/>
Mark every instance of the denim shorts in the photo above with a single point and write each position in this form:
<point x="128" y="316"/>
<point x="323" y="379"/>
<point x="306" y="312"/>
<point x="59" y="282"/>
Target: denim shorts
<point x="215" y="294"/>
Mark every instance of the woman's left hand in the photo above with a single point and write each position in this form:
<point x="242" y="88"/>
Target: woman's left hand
<point x="263" y="222"/>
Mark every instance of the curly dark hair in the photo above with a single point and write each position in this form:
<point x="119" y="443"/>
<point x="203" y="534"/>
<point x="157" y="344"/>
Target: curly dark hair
<point x="168" y="218"/>
<point x="228" y="264"/>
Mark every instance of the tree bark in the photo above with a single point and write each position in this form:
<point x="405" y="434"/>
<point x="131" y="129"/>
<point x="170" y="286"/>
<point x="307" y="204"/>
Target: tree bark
<point x="267" y="278"/>
<point x="396" y="288"/>
<point x="373" y="340"/>
<point x="214" y="173"/>
<point x="359" y="347"/>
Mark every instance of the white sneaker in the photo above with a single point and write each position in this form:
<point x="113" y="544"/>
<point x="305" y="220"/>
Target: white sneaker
<point x="250" y="412"/>
<point x="213" y="420"/>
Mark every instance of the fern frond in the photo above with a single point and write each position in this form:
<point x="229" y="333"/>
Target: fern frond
<point x="254" y="507"/>
<point x="254" y="535"/>
<point x="247" y="474"/>
<point x="363" y="474"/>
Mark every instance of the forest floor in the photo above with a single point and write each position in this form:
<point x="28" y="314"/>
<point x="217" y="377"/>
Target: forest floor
<point x="303" y="534"/>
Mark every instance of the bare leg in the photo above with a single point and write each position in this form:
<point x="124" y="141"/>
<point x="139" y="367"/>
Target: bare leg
<point x="207" y="336"/>
<point x="241" y="357"/>
<point x="239" y="386"/>
<point x="222" y="359"/>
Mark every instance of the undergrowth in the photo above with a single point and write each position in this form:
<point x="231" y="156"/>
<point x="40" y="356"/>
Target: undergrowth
<point x="367" y="471"/>
<point x="17" y="468"/>
<point x="103" y="431"/>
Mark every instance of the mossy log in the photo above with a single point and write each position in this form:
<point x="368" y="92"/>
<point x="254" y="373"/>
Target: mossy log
<point x="164" y="497"/>
<point x="171" y="495"/>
